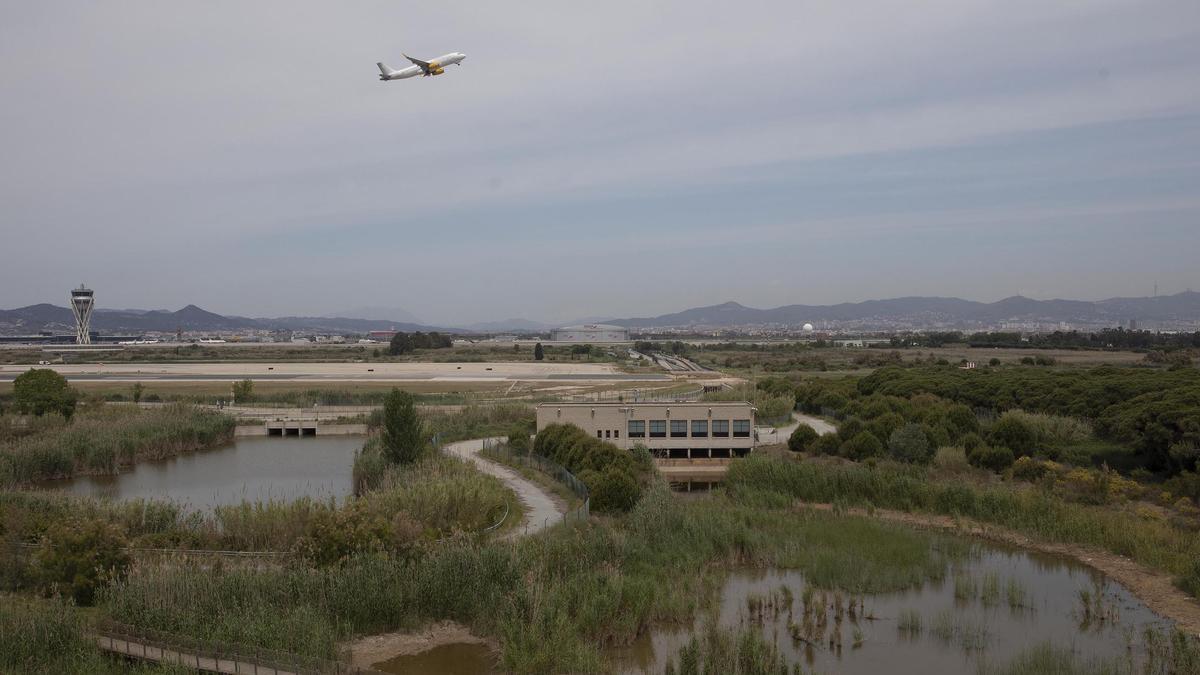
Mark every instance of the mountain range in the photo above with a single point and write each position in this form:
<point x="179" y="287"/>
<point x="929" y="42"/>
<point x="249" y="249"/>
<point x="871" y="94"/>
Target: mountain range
<point x="916" y="312"/>
<point x="46" y="317"/>
<point x="936" y="311"/>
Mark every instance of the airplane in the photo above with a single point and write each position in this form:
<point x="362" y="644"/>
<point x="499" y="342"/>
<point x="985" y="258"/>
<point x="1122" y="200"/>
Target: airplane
<point x="424" y="68"/>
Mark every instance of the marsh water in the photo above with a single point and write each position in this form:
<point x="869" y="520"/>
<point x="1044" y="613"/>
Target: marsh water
<point x="251" y="468"/>
<point x="451" y="659"/>
<point x="988" y="608"/>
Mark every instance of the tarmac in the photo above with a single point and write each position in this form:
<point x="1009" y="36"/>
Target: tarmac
<point x="576" y="373"/>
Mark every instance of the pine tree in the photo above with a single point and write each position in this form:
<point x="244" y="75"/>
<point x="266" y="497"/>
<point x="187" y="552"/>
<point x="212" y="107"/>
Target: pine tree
<point x="403" y="436"/>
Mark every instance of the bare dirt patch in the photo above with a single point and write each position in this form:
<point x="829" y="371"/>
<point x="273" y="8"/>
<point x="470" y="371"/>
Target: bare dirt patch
<point x="373" y="649"/>
<point x="1156" y="589"/>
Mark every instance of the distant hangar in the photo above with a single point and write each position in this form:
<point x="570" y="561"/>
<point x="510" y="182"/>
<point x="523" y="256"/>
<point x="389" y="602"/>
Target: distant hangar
<point x="590" y="332"/>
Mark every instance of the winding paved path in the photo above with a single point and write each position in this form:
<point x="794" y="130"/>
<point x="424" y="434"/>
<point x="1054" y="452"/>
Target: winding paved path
<point x="541" y="510"/>
<point x="781" y="434"/>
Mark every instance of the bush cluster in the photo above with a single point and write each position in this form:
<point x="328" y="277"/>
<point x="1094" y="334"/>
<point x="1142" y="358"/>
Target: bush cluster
<point x="612" y="475"/>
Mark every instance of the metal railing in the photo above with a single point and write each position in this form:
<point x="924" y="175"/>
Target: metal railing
<point x="213" y="656"/>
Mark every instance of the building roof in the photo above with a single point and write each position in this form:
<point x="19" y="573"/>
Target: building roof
<point x="593" y="326"/>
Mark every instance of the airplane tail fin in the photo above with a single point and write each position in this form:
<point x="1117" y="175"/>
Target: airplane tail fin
<point x="384" y="69"/>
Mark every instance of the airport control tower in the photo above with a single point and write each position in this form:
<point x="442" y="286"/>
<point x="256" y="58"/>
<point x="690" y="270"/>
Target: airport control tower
<point x="82" y="302"/>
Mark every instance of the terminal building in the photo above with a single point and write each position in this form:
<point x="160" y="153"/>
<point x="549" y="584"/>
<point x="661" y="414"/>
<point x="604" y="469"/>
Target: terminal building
<point x="700" y="430"/>
<point x="592" y="332"/>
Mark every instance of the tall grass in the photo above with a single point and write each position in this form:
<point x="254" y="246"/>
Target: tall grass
<point x="478" y="421"/>
<point x="438" y="495"/>
<point x="1173" y="654"/>
<point x="1051" y="429"/>
<point x="1037" y="513"/>
<point x="48" y="636"/>
<point x="740" y="652"/>
<point x="553" y="600"/>
<point x="102" y="439"/>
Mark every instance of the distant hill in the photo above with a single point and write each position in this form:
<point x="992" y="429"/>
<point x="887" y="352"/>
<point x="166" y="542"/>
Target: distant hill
<point x="509" y="326"/>
<point x="46" y="317"/>
<point x="376" y="313"/>
<point x="1181" y="307"/>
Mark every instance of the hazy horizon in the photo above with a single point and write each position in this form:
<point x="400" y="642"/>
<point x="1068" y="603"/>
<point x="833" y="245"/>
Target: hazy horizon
<point x="402" y="316"/>
<point x="617" y="160"/>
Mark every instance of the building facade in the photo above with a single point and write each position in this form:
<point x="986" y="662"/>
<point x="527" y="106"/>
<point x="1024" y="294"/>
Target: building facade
<point x="703" y="430"/>
<point x="592" y="332"/>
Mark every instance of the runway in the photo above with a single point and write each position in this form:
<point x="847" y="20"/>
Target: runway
<point x="341" y="372"/>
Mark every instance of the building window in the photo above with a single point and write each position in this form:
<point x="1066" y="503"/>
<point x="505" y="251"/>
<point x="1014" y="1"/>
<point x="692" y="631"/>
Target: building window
<point x="741" y="428"/>
<point x="616" y="433"/>
<point x="678" y="428"/>
<point x="720" y="428"/>
<point x="658" y="428"/>
<point x="607" y="433"/>
<point x="699" y="428"/>
<point x="637" y="428"/>
<point x="598" y="434"/>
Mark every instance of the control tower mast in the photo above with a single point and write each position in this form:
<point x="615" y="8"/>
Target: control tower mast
<point x="82" y="302"/>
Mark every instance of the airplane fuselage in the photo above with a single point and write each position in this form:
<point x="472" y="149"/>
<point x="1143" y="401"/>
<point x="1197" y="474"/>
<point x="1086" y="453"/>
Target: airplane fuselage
<point x="436" y="67"/>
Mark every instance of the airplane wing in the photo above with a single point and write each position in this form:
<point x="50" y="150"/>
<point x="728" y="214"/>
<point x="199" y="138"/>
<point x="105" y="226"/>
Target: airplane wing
<point x="424" y="64"/>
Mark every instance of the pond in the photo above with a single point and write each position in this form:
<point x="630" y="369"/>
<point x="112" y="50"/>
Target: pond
<point x="251" y="468"/>
<point x="459" y="658"/>
<point x="990" y="607"/>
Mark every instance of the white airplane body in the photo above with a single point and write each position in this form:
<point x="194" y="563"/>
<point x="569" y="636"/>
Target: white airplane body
<point x="424" y="68"/>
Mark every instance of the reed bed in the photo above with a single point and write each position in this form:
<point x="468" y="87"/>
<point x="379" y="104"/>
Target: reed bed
<point x="48" y="636"/>
<point x="1035" y="512"/>
<point x="478" y="421"/>
<point x="553" y="600"/>
<point x="102" y="439"/>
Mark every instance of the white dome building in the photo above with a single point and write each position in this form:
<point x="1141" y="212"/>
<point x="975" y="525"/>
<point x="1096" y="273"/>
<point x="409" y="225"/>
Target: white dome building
<point x="591" y="332"/>
<point x="808" y="328"/>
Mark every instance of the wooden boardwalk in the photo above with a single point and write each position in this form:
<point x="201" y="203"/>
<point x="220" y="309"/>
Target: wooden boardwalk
<point x="217" y="658"/>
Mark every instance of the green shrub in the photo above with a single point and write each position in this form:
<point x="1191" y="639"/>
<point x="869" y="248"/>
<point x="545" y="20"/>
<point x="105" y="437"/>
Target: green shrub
<point x="403" y="439"/>
<point x="850" y="427"/>
<point x="996" y="458"/>
<point x="970" y="441"/>
<point x="600" y="465"/>
<point x="1011" y="431"/>
<point x="611" y="490"/>
<point x="1030" y="469"/>
<point x="802" y="438"/>
<point x="38" y="391"/>
<point x="827" y="444"/>
<point x="962" y="418"/>
<point x="910" y="444"/>
<point x="77" y="557"/>
<point x="884" y="425"/>
<point x="862" y="446"/>
<point x="518" y="440"/>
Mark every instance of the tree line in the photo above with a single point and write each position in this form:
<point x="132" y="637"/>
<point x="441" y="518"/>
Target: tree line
<point x="1154" y="411"/>
<point x="406" y="343"/>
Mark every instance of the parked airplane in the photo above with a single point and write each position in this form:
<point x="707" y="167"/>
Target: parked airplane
<point x="425" y="68"/>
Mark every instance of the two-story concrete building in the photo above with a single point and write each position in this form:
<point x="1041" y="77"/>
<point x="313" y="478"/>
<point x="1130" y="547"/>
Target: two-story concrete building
<point x="697" y="430"/>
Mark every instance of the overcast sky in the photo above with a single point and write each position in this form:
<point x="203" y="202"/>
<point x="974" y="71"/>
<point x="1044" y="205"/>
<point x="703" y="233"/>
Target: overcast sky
<point x="592" y="159"/>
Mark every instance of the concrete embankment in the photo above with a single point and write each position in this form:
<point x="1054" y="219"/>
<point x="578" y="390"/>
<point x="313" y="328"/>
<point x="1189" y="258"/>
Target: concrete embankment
<point x="297" y="428"/>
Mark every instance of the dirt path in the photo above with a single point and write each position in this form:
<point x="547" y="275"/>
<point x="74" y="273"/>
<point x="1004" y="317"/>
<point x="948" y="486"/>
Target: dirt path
<point x="1156" y="589"/>
<point x="542" y="509"/>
